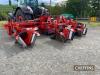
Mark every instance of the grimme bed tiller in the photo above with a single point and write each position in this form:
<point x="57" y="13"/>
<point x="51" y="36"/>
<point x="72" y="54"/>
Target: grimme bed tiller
<point x="26" y="31"/>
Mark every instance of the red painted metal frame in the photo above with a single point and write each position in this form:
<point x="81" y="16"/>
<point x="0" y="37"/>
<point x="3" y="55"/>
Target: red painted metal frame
<point x="45" y="24"/>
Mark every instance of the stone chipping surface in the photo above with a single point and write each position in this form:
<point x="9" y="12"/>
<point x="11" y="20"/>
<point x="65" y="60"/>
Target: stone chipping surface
<point x="50" y="57"/>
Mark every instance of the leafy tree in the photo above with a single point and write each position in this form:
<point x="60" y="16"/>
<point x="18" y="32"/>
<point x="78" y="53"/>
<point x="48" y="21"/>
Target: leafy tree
<point x="78" y="7"/>
<point x="83" y="8"/>
<point x="4" y="10"/>
<point x="95" y="5"/>
<point x="10" y="3"/>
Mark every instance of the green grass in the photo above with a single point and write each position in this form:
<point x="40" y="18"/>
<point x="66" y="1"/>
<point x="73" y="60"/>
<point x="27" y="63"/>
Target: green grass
<point x="92" y="24"/>
<point x="2" y="23"/>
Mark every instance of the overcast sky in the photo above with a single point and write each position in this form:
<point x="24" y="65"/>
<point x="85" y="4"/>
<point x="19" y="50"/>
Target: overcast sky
<point x="45" y="1"/>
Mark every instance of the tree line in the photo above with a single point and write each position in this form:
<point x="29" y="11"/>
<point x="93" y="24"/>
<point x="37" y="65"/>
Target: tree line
<point x="79" y="8"/>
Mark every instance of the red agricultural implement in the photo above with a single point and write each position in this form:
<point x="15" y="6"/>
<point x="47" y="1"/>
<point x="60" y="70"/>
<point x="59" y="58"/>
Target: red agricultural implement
<point x="62" y="31"/>
<point x="78" y="28"/>
<point x="26" y="31"/>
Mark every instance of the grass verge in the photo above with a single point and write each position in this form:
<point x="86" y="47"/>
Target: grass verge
<point x="2" y="23"/>
<point x="92" y="24"/>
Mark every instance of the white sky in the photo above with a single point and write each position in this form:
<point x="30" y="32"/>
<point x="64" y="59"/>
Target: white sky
<point x="53" y="1"/>
<point x="45" y="1"/>
<point x="58" y="0"/>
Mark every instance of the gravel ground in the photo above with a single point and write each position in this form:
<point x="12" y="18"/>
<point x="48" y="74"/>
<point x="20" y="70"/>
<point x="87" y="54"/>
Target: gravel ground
<point x="50" y="57"/>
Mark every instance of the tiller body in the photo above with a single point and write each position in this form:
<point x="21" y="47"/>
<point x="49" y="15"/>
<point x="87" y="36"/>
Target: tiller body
<point x="78" y="28"/>
<point x="62" y="31"/>
<point x="25" y="32"/>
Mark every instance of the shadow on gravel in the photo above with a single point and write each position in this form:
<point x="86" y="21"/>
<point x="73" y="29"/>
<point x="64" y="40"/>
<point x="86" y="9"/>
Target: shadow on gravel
<point x="77" y="37"/>
<point x="80" y="37"/>
<point x="7" y="45"/>
<point x="9" y="48"/>
<point x="13" y="50"/>
<point x="57" y="44"/>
